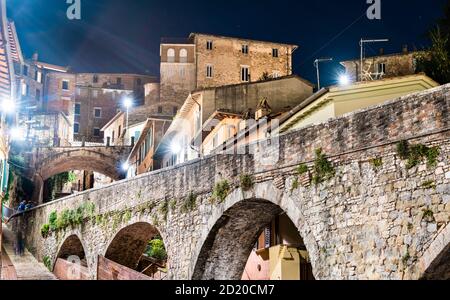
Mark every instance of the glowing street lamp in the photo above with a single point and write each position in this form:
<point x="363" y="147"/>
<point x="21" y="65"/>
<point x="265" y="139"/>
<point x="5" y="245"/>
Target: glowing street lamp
<point x="125" y="166"/>
<point x="175" y="147"/>
<point x="344" y="79"/>
<point x="7" y="106"/>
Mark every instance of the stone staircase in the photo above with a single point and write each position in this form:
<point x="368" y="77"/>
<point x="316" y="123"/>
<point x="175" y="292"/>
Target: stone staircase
<point x="26" y="266"/>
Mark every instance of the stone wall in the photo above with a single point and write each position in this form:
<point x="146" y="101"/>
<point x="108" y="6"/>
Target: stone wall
<point x="227" y="57"/>
<point x="373" y="219"/>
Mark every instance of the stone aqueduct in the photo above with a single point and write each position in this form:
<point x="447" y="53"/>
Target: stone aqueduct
<point x="366" y="222"/>
<point x="48" y="162"/>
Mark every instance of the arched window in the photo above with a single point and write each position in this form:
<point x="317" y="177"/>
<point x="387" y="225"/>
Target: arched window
<point x="171" y="55"/>
<point x="183" y="55"/>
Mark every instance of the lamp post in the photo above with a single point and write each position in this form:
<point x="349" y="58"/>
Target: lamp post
<point x="316" y="64"/>
<point x="128" y="103"/>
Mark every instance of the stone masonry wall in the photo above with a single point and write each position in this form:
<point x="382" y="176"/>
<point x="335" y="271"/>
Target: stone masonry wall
<point x="366" y="222"/>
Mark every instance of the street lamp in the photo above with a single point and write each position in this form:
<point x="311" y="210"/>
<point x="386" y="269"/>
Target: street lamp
<point x="175" y="147"/>
<point x="7" y="106"/>
<point x="316" y="64"/>
<point x="344" y="79"/>
<point x="125" y="166"/>
<point x="127" y="103"/>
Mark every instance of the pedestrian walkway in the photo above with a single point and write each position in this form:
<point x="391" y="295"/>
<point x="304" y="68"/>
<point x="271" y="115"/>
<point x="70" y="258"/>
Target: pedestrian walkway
<point x="26" y="267"/>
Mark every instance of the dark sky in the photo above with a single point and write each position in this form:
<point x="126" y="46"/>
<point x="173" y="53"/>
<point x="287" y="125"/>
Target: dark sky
<point x="124" y="35"/>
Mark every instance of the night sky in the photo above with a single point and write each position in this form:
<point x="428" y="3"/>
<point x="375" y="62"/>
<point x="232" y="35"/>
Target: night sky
<point x="124" y="35"/>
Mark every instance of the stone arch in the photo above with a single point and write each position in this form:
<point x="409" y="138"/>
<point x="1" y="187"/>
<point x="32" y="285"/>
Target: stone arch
<point x="435" y="263"/>
<point x="129" y="243"/>
<point x="72" y="245"/>
<point x="80" y="160"/>
<point x="234" y="227"/>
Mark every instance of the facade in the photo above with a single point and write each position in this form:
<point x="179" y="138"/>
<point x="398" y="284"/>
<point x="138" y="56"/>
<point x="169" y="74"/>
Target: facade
<point x="98" y="99"/>
<point x="149" y="136"/>
<point x="337" y="101"/>
<point x="382" y="65"/>
<point x="212" y="116"/>
<point x="50" y="129"/>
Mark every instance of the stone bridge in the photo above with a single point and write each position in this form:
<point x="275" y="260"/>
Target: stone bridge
<point x="48" y="162"/>
<point x="374" y="218"/>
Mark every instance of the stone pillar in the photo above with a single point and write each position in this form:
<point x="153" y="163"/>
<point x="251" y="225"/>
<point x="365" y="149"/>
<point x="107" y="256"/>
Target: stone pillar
<point x="38" y="193"/>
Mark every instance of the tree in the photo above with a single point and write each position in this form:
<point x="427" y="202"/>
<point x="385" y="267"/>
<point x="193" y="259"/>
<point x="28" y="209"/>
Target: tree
<point x="436" y="61"/>
<point x="444" y="23"/>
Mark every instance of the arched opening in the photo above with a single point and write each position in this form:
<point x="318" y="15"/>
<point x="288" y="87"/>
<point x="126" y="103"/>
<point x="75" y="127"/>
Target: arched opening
<point x="254" y="239"/>
<point x="71" y="261"/>
<point x="137" y="252"/>
<point x="183" y="55"/>
<point x="439" y="269"/>
<point x="171" y="55"/>
<point x="72" y="182"/>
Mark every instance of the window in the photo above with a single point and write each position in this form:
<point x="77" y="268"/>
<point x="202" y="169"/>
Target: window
<point x="113" y="136"/>
<point x="183" y="56"/>
<point x="96" y="132"/>
<point x="175" y="110"/>
<point x="65" y="85"/>
<point x="78" y="91"/>
<point x="276" y="74"/>
<point x="160" y="109"/>
<point x="76" y="128"/>
<point x="275" y="52"/>
<point x="38" y="76"/>
<point x="24" y="89"/>
<point x="245" y="74"/>
<point x="25" y="70"/>
<point x="95" y="79"/>
<point x="138" y="82"/>
<point x="245" y="49"/>
<point x="209" y="45"/>
<point x="120" y="131"/>
<point x="95" y="93"/>
<point x="119" y="81"/>
<point x="97" y="112"/>
<point x="382" y="68"/>
<point x="171" y="55"/>
<point x="77" y="109"/>
<point x="209" y="71"/>
<point x="38" y="95"/>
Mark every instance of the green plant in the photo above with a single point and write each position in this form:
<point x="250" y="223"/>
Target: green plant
<point x="429" y="184"/>
<point x="323" y="168"/>
<point x="377" y="162"/>
<point x="48" y="263"/>
<point x="45" y="230"/>
<point x="63" y="220"/>
<point x="173" y="204"/>
<point x="406" y="258"/>
<point x="189" y="203"/>
<point x="164" y="209"/>
<point x="428" y="215"/>
<point x="403" y="149"/>
<point x="156" y="249"/>
<point x="221" y="191"/>
<point x="410" y="226"/>
<point x="302" y="169"/>
<point x="416" y="153"/>
<point x="52" y="220"/>
<point x="127" y="215"/>
<point x="246" y="182"/>
<point x="295" y="184"/>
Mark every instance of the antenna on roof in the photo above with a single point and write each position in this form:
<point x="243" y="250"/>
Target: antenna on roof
<point x="362" y="42"/>
<point x="316" y="64"/>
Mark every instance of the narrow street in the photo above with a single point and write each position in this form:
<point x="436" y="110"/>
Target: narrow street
<point x="24" y="267"/>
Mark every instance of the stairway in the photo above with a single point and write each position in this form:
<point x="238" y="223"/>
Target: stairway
<point x="26" y="266"/>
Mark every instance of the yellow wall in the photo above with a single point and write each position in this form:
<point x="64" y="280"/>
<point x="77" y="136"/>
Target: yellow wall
<point x="341" y="100"/>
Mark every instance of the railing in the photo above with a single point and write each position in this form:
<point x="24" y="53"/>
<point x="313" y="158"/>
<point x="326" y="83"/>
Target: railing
<point x="7" y="213"/>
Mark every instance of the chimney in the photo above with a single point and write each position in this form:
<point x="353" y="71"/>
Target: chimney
<point x="405" y="49"/>
<point x="381" y="51"/>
